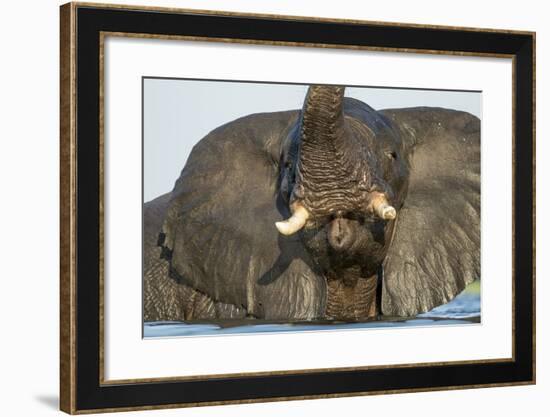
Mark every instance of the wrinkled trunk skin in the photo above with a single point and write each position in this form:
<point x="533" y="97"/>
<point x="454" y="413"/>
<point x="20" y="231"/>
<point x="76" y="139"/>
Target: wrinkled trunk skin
<point x="334" y="181"/>
<point x="333" y="154"/>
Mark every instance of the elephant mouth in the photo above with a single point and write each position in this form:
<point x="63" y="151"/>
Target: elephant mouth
<point x="378" y="207"/>
<point x="340" y="234"/>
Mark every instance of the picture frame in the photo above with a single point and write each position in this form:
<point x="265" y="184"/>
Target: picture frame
<point x="84" y="387"/>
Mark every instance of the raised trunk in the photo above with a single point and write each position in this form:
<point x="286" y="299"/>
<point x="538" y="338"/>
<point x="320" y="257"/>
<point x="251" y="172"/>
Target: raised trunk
<point x="322" y="125"/>
<point x="322" y="172"/>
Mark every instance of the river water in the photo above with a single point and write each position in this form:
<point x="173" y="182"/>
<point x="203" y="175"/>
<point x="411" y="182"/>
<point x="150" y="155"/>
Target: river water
<point x="464" y="309"/>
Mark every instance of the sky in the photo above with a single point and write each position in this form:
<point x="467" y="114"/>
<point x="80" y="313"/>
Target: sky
<point x="178" y="113"/>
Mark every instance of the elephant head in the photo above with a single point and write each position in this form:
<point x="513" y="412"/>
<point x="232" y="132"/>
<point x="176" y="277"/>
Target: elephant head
<point x="336" y="211"/>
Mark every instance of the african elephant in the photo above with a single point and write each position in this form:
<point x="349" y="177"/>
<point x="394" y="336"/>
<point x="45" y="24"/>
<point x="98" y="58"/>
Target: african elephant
<point x="334" y="211"/>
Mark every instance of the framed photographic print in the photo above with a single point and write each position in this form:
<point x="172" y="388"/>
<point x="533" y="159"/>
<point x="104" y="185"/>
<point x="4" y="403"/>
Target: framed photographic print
<point x="260" y="208"/>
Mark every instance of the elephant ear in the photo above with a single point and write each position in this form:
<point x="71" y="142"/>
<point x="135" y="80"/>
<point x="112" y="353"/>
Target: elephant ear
<point x="435" y="249"/>
<point x="219" y="233"/>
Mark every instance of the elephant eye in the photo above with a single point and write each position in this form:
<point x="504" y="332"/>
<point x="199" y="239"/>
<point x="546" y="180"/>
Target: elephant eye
<point x="392" y="155"/>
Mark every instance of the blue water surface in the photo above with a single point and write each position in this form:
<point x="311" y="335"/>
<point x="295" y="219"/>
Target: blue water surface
<point x="464" y="309"/>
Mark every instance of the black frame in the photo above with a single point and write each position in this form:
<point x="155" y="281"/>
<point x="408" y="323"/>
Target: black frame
<point x="89" y="394"/>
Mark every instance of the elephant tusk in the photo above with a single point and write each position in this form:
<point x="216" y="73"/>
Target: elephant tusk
<point x="296" y="222"/>
<point x="382" y="208"/>
<point x="386" y="212"/>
